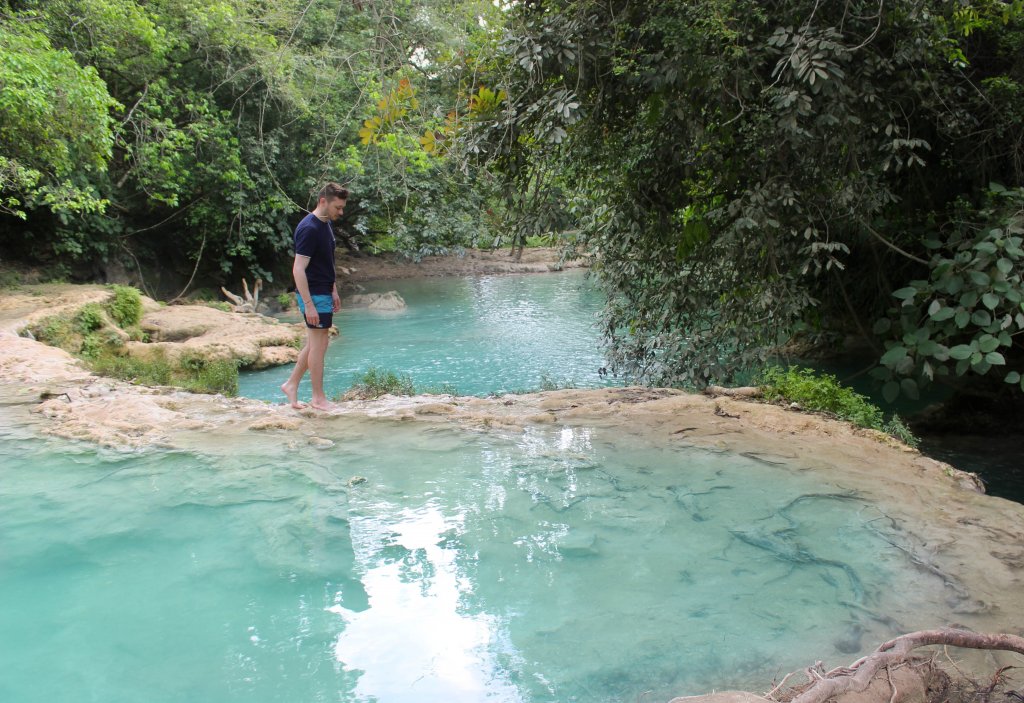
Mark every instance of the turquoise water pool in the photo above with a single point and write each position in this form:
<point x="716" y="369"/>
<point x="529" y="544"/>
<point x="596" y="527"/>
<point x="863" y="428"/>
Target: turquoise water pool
<point x="432" y="564"/>
<point x="479" y="335"/>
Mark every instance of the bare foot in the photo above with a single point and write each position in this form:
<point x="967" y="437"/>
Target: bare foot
<point x="324" y="405"/>
<point x="293" y="396"/>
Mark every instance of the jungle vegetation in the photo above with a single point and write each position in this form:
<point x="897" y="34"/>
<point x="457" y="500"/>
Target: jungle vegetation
<point x="745" y="175"/>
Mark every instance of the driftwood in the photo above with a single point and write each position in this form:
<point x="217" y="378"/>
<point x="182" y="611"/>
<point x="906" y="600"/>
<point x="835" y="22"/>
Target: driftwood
<point x="741" y="392"/>
<point x="856" y="677"/>
<point x="247" y="302"/>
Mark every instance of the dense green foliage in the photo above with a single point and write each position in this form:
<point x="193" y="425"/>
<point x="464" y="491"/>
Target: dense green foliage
<point x="743" y="174"/>
<point x="160" y="139"/>
<point x="824" y="393"/>
<point x="746" y="172"/>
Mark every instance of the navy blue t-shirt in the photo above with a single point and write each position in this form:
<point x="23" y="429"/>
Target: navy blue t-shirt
<point x="315" y="239"/>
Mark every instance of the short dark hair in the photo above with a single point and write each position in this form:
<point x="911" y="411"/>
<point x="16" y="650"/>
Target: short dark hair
<point x="331" y="191"/>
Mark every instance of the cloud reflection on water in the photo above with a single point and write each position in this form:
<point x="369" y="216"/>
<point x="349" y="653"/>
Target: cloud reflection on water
<point x="415" y="642"/>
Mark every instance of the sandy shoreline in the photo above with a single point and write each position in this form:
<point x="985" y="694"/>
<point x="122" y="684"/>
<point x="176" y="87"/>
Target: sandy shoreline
<point x="354" y="270"/>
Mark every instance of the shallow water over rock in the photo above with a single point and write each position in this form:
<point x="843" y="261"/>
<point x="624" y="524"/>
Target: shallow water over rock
<point x="415" y="562"/>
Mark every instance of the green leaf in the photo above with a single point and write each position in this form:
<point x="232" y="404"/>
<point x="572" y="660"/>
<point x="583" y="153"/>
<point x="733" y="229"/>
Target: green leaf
<point x="894" y="356"/>
<point x="962" y="318"/>
<point x="942" y="313"/>
<point x="1013" y="377"/>
<point x="979" y="278"/>
<point x="960" y="351"/>
<point x="995" y="358"/>
<point x="990" y="300"/>
<point x="987" y="343"/>
<point x="1004" y="265"/>
<point x="882" y="326"/>
<point x="981" y="318"/>
<point x="891" y="391"/>
<point x="909" y="388"/>
<point x="953" y="285"/>
<point x="907" y="293"/>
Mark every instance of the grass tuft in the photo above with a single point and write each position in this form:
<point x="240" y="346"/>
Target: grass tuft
<point x="126" y="306"/>
<point x="377" y="382"/>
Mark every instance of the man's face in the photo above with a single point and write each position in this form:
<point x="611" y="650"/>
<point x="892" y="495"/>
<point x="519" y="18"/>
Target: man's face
<point x="335" y="206"/>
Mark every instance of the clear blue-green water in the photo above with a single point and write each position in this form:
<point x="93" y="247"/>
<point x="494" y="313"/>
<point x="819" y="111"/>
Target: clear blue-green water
<point x="479" y="335"/>
<point x="412" y="562"/>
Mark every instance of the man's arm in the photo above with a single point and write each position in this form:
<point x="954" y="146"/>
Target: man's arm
<point x="337" y="298"/>
<point x="302" y="286"/>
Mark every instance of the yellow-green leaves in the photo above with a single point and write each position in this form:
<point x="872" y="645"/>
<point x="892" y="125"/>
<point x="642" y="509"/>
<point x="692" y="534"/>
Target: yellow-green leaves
<point x="390" y="111"/>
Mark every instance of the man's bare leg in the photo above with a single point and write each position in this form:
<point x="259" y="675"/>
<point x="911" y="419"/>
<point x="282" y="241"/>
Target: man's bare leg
<point x="290" y="388"/>
<point x="317" y="345"/>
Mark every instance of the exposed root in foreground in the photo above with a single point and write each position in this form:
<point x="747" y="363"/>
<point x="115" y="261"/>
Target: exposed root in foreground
<point x="856" y="678"/>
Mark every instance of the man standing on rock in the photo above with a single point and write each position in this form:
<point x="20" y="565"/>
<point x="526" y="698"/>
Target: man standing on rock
<point x="317" y="292"/>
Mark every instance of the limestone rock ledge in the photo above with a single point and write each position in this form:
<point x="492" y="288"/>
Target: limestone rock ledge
<point x="254" y="340"/>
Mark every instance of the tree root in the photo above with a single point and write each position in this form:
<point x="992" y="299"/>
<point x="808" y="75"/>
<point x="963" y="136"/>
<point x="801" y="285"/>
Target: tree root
<point x="857" y="677"/>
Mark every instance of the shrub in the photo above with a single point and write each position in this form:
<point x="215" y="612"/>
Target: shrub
<point x="201" y="375"/>
<point x="377" y="382"/>
<point x="92" y="346"/>
<point x="90" y="318"/>
<point x="126" y="306"/>
<point x="823" y="393"/>
<point x="58" y="332"/>
<point x="547" y="383"/>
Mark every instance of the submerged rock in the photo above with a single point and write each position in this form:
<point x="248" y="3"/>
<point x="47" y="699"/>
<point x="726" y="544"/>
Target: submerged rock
<point x="381" y="302"/>
<point x="578" y="544"/>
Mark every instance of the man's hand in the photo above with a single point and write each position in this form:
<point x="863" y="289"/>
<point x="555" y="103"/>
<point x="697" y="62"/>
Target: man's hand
<point x="336" y="301"/>
<point x="312" y="316"/>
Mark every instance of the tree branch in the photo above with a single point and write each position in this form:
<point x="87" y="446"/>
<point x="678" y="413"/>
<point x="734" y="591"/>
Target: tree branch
<point x="889" y="244"/>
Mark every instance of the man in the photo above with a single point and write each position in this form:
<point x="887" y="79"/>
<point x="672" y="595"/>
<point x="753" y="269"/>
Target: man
<point x="317" y="291"/>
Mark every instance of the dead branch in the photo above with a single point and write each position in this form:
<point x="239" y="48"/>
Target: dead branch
<point x="897" y="651"/>
<point x="741" y="392"/>
<point x="248" y="301"/>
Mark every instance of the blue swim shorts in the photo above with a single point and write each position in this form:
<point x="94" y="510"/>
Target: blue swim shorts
<point x="324" y="305"/>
